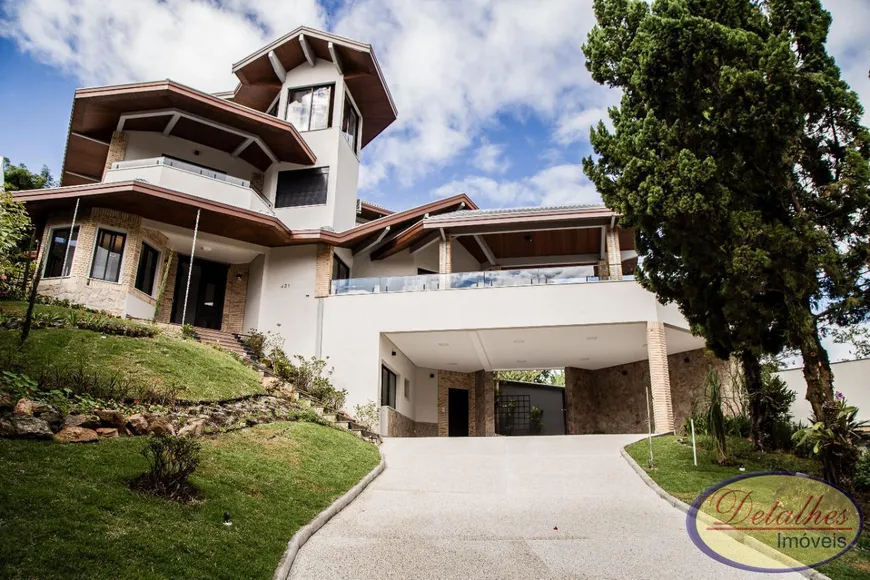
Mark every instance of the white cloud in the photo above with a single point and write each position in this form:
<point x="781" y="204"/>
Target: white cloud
<point x="453" y="66"/>
<point x="556" y="185"/>
<point x="191" y="41"/>
<point x="489" y="158"/>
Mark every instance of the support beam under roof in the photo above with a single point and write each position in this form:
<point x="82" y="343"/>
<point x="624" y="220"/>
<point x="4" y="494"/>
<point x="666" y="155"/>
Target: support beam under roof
<point x="280" y="72"/>
<point x="336" y="58"/>
<point x="306" y="49"/>
<point x="171" y="124"/>
<point x="486" y="250"/>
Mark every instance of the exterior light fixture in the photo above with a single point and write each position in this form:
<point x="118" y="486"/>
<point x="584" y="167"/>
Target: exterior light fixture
<point x="519" y="341"/>
<point x="443" y="344"/>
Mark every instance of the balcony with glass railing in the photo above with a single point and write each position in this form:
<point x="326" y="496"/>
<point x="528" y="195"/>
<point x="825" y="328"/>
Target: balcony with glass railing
<point x="468" y="280"/>
<point x="191" y="178"/>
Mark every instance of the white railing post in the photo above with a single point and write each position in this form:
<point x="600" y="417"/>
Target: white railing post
<point x="190" y="268"/>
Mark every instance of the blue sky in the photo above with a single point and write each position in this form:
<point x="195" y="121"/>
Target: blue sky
<point x="493" y="96"/>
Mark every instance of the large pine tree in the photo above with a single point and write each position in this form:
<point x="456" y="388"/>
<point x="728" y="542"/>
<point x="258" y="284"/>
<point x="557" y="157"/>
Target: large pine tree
<point x="738" y="154"/>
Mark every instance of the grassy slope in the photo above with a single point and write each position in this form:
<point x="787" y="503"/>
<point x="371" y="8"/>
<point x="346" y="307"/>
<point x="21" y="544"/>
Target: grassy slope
<point x="203" y="372"/>
<point x="67" y="512"/>
<point x="675" y="473"/>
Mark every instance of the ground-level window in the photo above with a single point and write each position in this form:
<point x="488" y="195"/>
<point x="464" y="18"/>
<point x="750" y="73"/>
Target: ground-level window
<point x="147" y="271"/>
<point x="340" y="270"/>
<point x="310" y="109"/>
<point x="58" y="243"/>
<point x="407" y="389"/>
<point x="302" y="187"/>
<point x="388" y="388"/>
<point x="107" y="255"/>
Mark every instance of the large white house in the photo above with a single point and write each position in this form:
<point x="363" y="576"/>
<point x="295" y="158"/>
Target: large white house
<point x="255" y="190"/>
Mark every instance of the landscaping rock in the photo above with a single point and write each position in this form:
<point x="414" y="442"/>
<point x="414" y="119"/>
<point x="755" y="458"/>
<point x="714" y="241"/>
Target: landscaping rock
<point x="26" y="407"/>
<point x="161" y="426"/>
<point x="192" y="429"/>
<point x="28" y="426"/>
<point x="111" y="418"/>
<point x="86" y="421"/>
<point x="7" y="427"/>
<point x="7" y="401"/>
<point x="77" y="435"/>
<point x="107" y="432"/>
<point x="138" y="424"/>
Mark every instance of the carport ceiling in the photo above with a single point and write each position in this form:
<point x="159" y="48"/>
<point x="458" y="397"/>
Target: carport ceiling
<point x="588" y="347"/>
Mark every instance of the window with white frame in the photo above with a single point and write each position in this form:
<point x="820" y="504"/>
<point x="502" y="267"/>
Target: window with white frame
<point x="310" y="108"/>
<point x="107" y="255"/>
<point x="61" y="248"/>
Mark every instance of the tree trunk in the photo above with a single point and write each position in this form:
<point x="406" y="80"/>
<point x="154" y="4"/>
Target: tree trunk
<point x="758" y="411"/>
<point x="817" y="373"/>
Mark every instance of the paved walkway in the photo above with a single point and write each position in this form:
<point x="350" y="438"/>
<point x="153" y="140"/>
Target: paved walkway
<point x="481" y="508"/>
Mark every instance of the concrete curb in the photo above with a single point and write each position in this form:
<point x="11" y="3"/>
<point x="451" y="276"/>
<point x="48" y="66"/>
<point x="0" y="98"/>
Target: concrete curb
<point x="738" y="536"/>
<point x="305" y="532"/>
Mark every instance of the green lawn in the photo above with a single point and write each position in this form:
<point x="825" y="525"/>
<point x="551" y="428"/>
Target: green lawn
<point x="19" y="308"/>
<point x="67" y="511"/>
<point x="202" y="372"/>
<point x="675" y="473"/>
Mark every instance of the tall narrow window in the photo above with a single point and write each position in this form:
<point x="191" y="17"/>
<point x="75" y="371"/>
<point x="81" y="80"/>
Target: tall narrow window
<point x="340" y="270"/>
<point x="147" y="269"/>
<point x="350" y="123"/>
<point x="107" y="256"/>
<point x="310" y="109"/>
<point x="388" y="388"/>
<point x="57" y="250"/>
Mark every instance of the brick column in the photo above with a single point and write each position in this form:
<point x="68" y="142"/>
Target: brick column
<point x="117" y="150"/>
<point x="603" y="270"/>
<point x="660" y="380"/>
<point x="614" y="256"/>
<point x="445" y="256"/>
<point x="484" y="393"/>
<point x="323" y="276"/>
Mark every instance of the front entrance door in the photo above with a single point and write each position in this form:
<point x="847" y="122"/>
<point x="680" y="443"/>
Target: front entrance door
<point x="457" y="413"/>
<point x="205" y="303"/>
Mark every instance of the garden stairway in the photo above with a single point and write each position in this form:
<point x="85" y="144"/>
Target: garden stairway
<point x="226" y="340"/>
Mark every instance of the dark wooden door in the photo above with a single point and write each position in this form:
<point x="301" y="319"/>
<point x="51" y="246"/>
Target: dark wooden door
<point x="208" y="285"/>
<point x="457" y="413"/>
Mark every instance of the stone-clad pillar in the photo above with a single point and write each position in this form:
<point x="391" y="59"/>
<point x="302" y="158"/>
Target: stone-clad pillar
<point x="614" y="255"/>
<point x="484" y="392"/>
<point x="445" y="256"/>
<point x="323" y="276"/>
<point x="660" y="381"/>
<point x="117" y="150"/>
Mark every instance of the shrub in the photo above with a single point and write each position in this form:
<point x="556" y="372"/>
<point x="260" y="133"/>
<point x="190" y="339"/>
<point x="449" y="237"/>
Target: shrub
<point x="368" y="415"/>
<point x="256" y="343"/>
<point x="862" y="473"/>
<point x="536" y="420"/>
<point x="171" y="460"/>
<point x="836" y="441"/>
<point x="187" y="331"/>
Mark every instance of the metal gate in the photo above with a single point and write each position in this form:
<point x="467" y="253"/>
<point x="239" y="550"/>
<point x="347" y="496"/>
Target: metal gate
<point x="512" y="414"/>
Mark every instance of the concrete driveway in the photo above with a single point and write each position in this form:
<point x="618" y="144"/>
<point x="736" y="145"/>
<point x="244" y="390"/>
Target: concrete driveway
<point x="489" y="508"/>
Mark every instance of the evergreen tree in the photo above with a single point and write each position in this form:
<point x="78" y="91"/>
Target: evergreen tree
<point x="738" y="155"/>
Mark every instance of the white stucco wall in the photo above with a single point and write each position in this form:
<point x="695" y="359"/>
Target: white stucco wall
<point x="404" y="369"/>
<point x="138" y="308"/>
<point x="850" y="378"/>
<point x="187" y="182"/>
<point x="331" y="150"/>
<point x="426" y="396"/>
<point x="256" y="274"/>
<point x="147" y="144"/>
<point x="287" y="303"/>
<point x="353" y="324"/>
